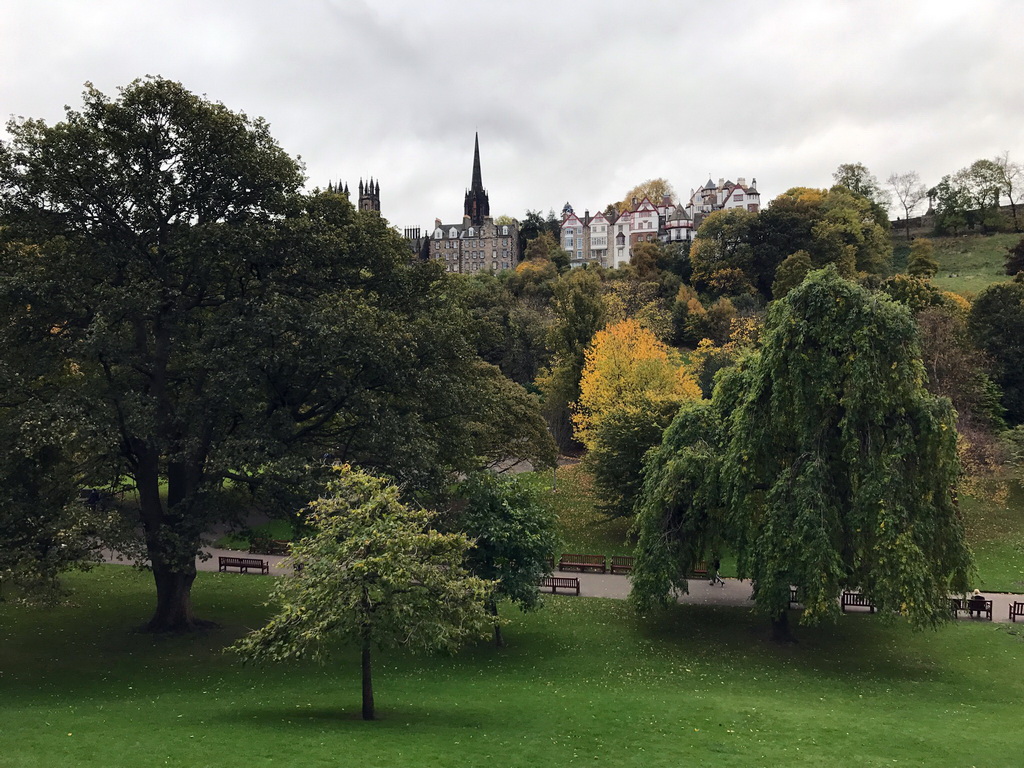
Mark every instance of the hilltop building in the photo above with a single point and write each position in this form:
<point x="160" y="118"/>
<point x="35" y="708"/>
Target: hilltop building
<point x="369" y="194"/>
<point x="476" y="244"/>
<point x="608" y="238"/>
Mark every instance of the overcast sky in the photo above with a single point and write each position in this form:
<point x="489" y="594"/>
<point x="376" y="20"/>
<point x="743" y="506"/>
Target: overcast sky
<point x="574" y="101"/>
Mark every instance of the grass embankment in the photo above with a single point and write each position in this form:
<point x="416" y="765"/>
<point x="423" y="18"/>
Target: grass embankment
<point x="584" y="530"/>
<point x="995" y="530"/>
<point x="971" y="263"/>
<point x="583" y="681"/>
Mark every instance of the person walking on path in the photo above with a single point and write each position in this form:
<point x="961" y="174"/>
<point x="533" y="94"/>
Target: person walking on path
<point x="716" y="577"/>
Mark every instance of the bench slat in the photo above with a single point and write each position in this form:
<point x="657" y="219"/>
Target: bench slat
<point x="583" y="562"/>
<point x="559" y="582"/>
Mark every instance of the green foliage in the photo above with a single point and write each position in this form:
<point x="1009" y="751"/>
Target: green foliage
<point x="191" y="318"/>
<point x="841" y="464"/>
<point x="723" y="242"/>
<point x="858" y="179"/>
<point x="615" y="458"/>
<point x="791" y="273"/>
<point x="513" y="535"/>
<point x="1015" y="258"/>
<point x="837" y="470"/>
<point x="545" y="247"/>
<point x="580" y="310"/>
<point x="372" y="572"/>
<point x="996" y="323"/>
<point x="913" y="292"/>
<point x="680" y="515"/>
<point x="922" y="261"/>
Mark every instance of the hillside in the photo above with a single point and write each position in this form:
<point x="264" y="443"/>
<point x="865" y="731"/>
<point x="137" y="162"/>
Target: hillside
<point x="968" y="263"/>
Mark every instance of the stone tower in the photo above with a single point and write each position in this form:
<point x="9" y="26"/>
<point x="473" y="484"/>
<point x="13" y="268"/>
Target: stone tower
<point x="369" y="196"/>
<point x="477" y="205"/>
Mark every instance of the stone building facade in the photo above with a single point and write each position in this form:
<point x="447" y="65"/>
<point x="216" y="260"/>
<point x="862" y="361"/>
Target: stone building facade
<point x="608" y="238"/>
<point x="476" y="244"/>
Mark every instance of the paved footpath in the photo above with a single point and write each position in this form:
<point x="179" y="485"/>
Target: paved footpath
<point x="735" y="592"/>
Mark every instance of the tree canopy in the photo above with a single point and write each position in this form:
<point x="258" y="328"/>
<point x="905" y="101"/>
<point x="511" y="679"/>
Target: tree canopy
<point x="514" y="536"/>
<point x="182" y="315"/>
<point x="822" y="460"/>
<point x="631" y="386"/>
<point x="374" y="573"/>
<point x="653" y="189"/>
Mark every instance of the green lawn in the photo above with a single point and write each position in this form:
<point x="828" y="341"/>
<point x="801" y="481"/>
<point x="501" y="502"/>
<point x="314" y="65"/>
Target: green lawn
<point x="583" y="682"/>
<point x="971" y="263"/>
<point x="584" y="530"/>
<point x="995" y="530"/>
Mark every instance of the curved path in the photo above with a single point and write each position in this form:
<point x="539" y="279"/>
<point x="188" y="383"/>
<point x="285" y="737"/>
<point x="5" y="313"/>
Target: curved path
<point x="734" y="592"/>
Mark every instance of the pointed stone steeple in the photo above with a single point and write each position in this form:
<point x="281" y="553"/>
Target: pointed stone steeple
<point x="477" y="205"/>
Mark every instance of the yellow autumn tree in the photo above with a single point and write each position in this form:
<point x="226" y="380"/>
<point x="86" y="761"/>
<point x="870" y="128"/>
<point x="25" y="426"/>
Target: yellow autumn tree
<point x="631" y="387"/>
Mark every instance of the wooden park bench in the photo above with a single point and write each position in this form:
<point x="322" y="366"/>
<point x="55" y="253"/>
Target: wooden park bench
<point x="855" y="599"/>
<point x="1016" y="609"/>
<point x="559" y="582"/>
<point x="269" y="547"/>
<point x="971" y="606"/>
<point x="243" y="564"/>
<point x="583" y="562"/>
<point x="622" y="564"/>
<point x="700" y="571"/>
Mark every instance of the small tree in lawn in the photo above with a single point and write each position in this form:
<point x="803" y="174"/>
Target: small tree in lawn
<point x="515" y="535"/>
<point x="373" y="572"/>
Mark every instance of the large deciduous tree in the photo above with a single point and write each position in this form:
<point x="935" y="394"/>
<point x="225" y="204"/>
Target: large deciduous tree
<point x="832" y="469"/>
<point x="857" y="178"/>
<point x="909" y="192"/>
<point x="996" y="323"/>
<point x="1011" y="177"/>
<point x="723" y="242"/>
<point x="653" y="189"/>
<point x="514" y="536"/>
<point x="375" y="573"/>
<point x="632" y="384"/>
<point x="185" y="317"/>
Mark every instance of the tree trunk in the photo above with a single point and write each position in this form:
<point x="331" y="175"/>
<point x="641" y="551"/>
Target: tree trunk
<point x="173" y="601"/>
<point x="492" y="608"/>
<point x="174" y="569"/>
<point x="368" y="710"/>
<point x="780" y="628"/>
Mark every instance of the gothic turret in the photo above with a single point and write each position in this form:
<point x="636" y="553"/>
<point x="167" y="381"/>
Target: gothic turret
<point x="369" y="196"/>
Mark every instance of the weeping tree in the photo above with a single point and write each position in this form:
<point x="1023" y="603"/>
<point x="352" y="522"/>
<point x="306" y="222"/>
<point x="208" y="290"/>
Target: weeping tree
<point x="375" y="574"/>
<point x="834" y="468"/>
<point x="680" y="513"/>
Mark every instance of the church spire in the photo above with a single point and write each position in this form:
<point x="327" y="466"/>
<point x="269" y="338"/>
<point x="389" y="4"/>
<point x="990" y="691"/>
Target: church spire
<point x="478" y="183"/>
<point x="477" y="206"/>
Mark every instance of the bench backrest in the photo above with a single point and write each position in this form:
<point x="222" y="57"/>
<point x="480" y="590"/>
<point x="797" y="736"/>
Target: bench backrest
<point x="590" y="559"/>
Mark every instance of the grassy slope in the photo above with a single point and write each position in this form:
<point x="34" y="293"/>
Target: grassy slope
<point x="995" y="531"/>
<point x="583" y="530"/>
<point x="971" y="263"/>
<point x="584" y="681"/>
